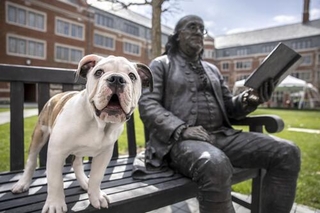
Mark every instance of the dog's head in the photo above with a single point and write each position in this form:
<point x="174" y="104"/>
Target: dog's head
<point x="114" y="85"/>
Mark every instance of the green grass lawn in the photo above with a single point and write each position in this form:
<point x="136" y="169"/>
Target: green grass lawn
<point x="308" y="192"/>
<point x="4" y="109"/>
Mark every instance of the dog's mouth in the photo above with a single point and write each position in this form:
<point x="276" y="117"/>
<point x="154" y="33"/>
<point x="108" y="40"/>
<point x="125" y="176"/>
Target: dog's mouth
<point x="112" y="108"/>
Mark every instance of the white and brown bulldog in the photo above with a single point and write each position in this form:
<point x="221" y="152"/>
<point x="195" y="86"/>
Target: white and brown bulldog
<point x="85" y="123"/>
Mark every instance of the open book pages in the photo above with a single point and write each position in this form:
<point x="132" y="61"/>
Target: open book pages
<point x="280" y="62"/>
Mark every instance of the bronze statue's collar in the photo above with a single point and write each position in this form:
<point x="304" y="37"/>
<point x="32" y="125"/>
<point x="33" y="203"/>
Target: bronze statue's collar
<point x="184" y="60"/>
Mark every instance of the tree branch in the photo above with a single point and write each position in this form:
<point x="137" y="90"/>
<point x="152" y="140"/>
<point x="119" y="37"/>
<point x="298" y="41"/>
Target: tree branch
<point x="127" y="5"/>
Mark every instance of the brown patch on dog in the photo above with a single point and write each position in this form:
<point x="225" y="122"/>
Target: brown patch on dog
<point x="47" y="118"/>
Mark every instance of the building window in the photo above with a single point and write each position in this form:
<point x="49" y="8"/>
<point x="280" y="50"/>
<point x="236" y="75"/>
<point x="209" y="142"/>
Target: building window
<point x="301" y="44"/>
<point x="69" y="29"/>
<point x="243" y="65"/>
<point x="68" y="54"/>
<point x="225" y="66"/>
<point x="131" y="48"/>
<point x="306" y="60"/>
<point x="267" y="48"/>
<point x="277" y="98"/>
<point x="104" y="21"/>
<point x="208" y="54"/>
<point x="304" y="75"/>
<point x="25" y="17"/>
<point x="131" y="29"/>
<point x="226" y="79"/>
<point x="226" y="53"/>
<point x="242" y="51"/>
<point x="104" y="41"/>
<point x="26" y="47"/>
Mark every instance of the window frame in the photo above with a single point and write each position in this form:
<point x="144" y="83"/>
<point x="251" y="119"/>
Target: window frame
<point x="110" y="21"/>
<point x="105" y="35"/>
<point x="56" y="45"/>
<point x="27" y="46"/>
<point x="132" y="43"/>
<point x="27" y="20"/>
<point x="243" y="62"/>
<point x="71" y="23"/>
<point x="225" y="63"/>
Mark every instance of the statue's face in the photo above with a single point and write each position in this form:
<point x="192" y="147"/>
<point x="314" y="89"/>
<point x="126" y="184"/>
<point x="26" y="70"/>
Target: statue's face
<point x="191" y="36"/>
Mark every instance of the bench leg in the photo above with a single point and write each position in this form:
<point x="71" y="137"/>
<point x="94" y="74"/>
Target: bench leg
<point x="256" y="192"/>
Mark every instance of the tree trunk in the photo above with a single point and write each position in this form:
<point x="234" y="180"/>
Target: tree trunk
<point x="156" y="28"/>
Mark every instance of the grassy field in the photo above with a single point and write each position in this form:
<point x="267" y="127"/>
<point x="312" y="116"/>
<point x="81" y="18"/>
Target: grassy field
<point x="308" y="192"/>
<point x="4" y="109"/>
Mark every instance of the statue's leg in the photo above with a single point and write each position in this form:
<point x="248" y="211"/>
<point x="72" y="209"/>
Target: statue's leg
<point x="281" y="159"/>
<point x="210" y="169"/>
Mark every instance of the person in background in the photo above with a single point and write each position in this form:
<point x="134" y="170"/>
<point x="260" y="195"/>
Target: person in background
<point x="188" y="116"/>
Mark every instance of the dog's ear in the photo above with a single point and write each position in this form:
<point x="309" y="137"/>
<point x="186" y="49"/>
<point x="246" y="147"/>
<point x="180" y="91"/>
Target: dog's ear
<point x="145" y="75"/>
<point x="86" y="63"/>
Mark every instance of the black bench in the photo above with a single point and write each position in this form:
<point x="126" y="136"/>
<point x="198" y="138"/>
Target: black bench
<point x="126" y="194"/>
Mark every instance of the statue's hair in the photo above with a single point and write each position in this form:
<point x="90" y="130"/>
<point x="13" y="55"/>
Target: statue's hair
<point x="172" y="44"/>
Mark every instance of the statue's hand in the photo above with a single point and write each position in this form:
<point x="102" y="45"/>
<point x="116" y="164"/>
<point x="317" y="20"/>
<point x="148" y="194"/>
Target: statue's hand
<point x="195" y="133"/>
<point x="252" y="98"/>
<point x="265" y="91"/>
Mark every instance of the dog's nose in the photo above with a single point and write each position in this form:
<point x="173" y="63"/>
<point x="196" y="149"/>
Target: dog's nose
<point x="112" y="80"/>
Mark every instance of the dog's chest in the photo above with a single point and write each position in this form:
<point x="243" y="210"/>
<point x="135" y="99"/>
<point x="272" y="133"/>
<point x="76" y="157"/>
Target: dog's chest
<point x="92" y="143"/>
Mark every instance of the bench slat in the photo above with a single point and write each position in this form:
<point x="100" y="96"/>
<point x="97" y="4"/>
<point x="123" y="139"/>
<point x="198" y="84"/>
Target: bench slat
<point x="14" y="176"/>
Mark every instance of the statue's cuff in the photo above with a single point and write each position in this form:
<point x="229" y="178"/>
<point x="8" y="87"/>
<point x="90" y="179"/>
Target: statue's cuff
<point x="177" y="133"/>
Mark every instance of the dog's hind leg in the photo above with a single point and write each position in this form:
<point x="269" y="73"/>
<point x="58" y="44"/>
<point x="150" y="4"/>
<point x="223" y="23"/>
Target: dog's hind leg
<point x="79" y="172"/>
<point x="39" y="139"/>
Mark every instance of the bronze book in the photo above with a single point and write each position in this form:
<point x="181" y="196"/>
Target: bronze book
<point x="280" y="62"/>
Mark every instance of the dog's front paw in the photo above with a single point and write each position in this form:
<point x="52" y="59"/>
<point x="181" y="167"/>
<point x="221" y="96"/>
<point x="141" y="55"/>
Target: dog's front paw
<point x="20" y="186"/>
<point x="54" y="205"/>
<point x="99" y="200"/>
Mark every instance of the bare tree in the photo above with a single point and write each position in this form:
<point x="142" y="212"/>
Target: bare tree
<point x="158" y="8"/>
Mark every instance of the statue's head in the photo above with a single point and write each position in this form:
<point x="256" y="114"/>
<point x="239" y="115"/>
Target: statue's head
<point x="188" y="36"/>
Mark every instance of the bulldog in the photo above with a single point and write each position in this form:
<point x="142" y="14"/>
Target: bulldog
<point x="85" y="123"/>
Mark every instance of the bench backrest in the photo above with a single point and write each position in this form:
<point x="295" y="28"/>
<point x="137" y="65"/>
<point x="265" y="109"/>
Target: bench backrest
<point x="17" y="76"/>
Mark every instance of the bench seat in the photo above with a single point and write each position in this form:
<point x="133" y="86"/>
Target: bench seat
<point x="136" y="195"/>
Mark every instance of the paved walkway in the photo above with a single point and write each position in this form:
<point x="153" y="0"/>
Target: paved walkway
<point x="188" y="206"/>
<point x="312" y="131"/>
<point x="5" y="116"/>
<point x="192" y="206"/>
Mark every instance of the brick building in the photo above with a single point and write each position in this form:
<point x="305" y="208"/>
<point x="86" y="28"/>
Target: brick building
<point x="58" y="33"/>
<point x="238" y="55"/>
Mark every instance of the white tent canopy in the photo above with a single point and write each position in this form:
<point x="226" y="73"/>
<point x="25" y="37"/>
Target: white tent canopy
<point x="296" y="87"/>
<point x="289" y="81"/>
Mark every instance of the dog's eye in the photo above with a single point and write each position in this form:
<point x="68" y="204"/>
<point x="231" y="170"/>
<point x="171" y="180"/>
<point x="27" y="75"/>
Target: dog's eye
<point x="98" y="73"/>
<point x="132" y="76"/>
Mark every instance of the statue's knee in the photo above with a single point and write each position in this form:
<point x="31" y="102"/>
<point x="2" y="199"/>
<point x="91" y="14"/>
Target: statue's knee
<point x="290" y="158"/>
<point x="213" y="170"/>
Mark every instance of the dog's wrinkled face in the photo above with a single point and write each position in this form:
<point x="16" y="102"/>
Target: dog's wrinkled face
<point x="114" y="85"/>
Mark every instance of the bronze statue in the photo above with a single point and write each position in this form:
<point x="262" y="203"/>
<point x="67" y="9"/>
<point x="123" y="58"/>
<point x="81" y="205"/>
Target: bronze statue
<point x="187" y="115"/>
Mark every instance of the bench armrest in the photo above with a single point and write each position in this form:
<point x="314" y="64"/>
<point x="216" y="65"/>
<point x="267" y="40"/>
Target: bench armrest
<point x="272" y="123"/>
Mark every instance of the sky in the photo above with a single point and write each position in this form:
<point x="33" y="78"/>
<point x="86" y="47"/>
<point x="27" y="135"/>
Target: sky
<point x="224" y="17"/>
